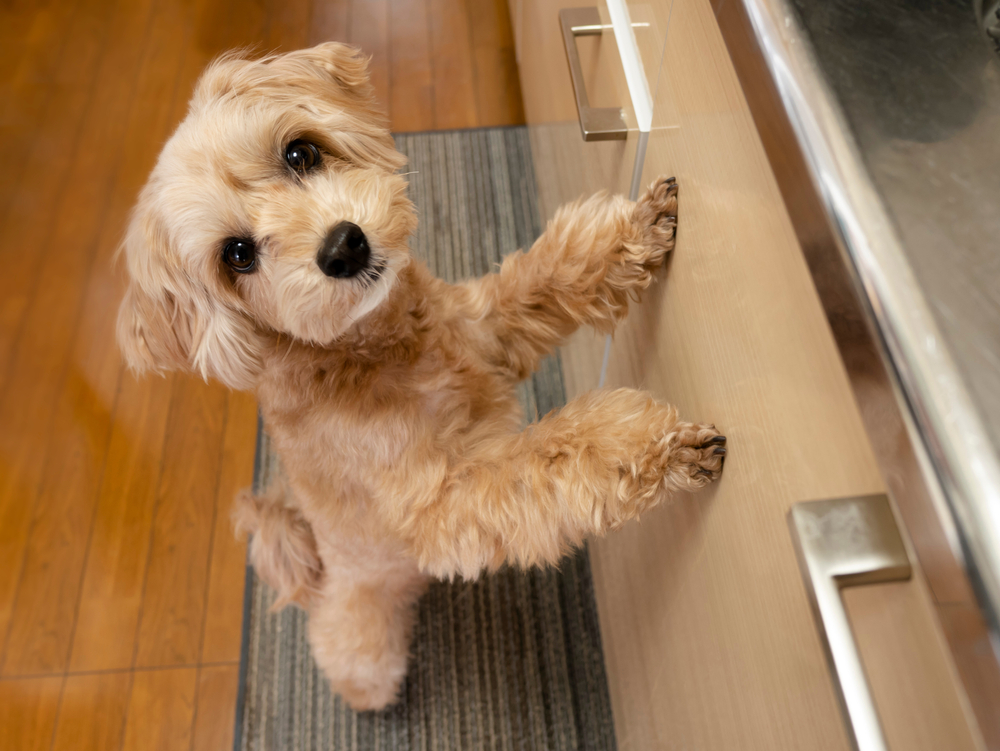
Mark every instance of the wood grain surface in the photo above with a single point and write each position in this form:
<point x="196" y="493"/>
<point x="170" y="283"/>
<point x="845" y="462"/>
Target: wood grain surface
<point x="709" y="639"/>
<point x="121" y="584"/>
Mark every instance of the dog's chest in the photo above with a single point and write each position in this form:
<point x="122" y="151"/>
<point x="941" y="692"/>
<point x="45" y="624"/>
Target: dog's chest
<point x="349" y="430"/>
<point x="341" y="424"/>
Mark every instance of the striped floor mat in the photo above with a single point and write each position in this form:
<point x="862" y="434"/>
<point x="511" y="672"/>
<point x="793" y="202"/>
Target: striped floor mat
<point x="512" y="661"/>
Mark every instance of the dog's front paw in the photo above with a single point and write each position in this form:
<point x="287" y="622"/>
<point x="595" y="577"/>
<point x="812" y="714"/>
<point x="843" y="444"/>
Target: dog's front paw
<point x="655" y="216"/>
<point x="697" y="453"/>
<point x="679" y="456"/>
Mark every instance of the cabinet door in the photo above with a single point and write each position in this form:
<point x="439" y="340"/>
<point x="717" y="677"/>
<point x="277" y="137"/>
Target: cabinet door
<point x="567" y="167"/>
<point x="709" y="638"/>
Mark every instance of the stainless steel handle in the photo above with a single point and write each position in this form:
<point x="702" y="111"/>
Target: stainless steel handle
<point x="596" y="123"/>
<point x="844" y="543"/>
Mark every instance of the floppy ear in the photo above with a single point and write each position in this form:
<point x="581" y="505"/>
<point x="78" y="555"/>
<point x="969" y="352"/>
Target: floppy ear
<point x="342" y="65"/>
<point x="338" y="74"/>
<point x="171" y="320"/>
<point x="347" y="66"/>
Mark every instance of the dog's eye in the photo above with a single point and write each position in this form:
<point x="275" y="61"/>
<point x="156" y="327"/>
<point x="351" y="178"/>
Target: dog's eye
<point x="301" y="156"/>
<point x="241" y="255"/>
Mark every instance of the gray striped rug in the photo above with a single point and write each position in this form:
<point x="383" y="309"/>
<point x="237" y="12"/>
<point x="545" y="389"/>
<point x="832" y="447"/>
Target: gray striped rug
<point x="512" y="661"/>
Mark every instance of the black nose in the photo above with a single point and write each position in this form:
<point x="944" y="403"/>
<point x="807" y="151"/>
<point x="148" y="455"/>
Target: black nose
<point x="345" y="251"/>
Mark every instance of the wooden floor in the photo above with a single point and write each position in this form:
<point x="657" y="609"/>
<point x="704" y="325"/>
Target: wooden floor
<point x="120" y="582"/>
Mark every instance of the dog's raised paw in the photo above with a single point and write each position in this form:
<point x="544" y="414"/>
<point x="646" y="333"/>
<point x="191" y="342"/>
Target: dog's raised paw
<point x="655" y="215"/>
<point x="697" y="455"/>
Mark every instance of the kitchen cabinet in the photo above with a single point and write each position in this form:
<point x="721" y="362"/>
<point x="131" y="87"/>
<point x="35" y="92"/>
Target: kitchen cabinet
<point x="571" y="166"/>
<point x="709" y="639"/>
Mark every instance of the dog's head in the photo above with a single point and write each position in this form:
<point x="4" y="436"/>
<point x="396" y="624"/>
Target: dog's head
<point x="275" y="206"/>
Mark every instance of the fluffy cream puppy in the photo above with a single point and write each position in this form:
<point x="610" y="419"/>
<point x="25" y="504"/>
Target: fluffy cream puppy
<point x="269" y="251"/>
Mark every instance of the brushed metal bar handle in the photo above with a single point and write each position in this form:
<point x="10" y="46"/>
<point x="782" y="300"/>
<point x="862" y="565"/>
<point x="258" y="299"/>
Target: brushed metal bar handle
<point x="841" y="543"/>
<point x="596" y="123"/>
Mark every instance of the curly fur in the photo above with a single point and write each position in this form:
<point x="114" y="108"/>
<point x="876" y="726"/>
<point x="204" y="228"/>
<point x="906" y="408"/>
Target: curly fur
<point x="391" y="401"/>
<point x="282" y="546"/>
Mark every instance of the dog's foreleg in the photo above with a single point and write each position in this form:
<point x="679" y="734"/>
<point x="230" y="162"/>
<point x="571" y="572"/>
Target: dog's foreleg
<point x="592" y="258"/>
<point x="527" y="498"/>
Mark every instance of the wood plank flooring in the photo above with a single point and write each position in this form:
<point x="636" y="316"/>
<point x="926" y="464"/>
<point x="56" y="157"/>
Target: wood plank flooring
<point x="120" y="581"/>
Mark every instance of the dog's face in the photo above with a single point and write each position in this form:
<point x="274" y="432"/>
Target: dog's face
<point x="275" y="206"/>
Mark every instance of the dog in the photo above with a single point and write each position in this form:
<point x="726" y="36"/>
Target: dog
<point x="269" y="250"/>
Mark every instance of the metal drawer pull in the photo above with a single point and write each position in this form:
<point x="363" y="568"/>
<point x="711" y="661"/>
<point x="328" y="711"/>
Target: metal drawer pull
<point x="845" y="543"/>
<point x="597" y="123"/>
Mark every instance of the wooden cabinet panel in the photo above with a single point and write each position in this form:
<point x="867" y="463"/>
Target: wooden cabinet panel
<point x="565" y="166"/>
<point x="545" y="81"/>
<point x="709" y="639"/>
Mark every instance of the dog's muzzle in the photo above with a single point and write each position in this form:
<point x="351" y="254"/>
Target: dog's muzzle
<point x="345" y="252"/>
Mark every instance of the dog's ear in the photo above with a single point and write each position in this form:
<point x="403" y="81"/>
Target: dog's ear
<point x="345" y="65"/>
<point x="219" y="77"/>
<point x="341" y="73"/>
<point x="171" y="320"/>
<point x="163" y="331"/>
<point x="342" y="65"/>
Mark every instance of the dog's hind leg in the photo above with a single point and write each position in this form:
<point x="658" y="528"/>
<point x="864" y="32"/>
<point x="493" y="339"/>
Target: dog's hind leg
<point x="593" y="257"/>
<point x="526" y="498"/>
<point x="282" y="546"/>
<point x="360" y="630"/>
